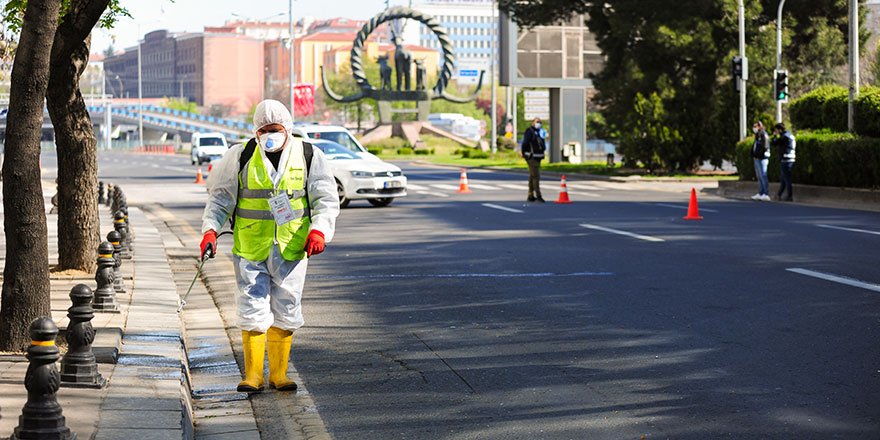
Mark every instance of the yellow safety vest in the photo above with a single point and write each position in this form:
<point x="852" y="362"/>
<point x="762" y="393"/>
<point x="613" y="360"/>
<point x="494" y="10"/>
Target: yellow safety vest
<point x="255" y="229"/>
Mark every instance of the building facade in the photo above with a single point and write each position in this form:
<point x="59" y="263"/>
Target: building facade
<point x="469" y="25"/>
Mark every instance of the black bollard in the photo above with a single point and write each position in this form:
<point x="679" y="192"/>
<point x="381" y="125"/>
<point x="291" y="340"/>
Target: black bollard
<point x="119" y="226"/>
<point x="79" y="368"/>
<point x="105" y="294"/>
<point x="115" y="239"/>
<point x="129" y="234"/>
<point x="110" y="190"/>
<point x="41" y="416"/>
<point x="101" y="198"/>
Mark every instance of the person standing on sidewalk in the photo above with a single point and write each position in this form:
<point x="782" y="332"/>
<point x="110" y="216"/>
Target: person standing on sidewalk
<point x="282" y="197"/>
<point x="785" y="144"/>
<point x="761" y="156"/>
<point x="533" y="148"/>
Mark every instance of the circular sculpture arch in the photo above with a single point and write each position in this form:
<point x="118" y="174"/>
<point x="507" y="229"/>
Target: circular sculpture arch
<point x="398" y="12"/>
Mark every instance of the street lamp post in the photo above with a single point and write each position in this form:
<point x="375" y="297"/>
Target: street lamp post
<point x="745" y="75"/>
<point x="779" y="57"/>
<point x="140" y="96"/>
<point x="291" y="78"/>
<point x="493" y="140"/>
<point x="853" y="62"/>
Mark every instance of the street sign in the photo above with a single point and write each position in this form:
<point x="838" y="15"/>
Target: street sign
<point x="537" y="104"/>
<point x="468" y="76"/>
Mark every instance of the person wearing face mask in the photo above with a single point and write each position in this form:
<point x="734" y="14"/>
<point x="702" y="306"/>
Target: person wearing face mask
<point x="281" y="196"/>
<point x="533" y="148"/>
<point x="761" y="156"/>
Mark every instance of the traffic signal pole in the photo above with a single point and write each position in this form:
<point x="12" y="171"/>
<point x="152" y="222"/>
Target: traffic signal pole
<point x="742" y="80"/>
<point x="779" y="57"/>
<point x="853" y="62"/>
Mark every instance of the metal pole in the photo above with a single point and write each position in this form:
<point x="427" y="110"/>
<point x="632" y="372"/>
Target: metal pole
<point x="779" y="57"/>
<point x="291" y="78"/>
<point x="853" y="62"/>
<point x="514" y="111"/>
<point x="742" y="81"/>
<point x="494" y="139"/>
<point x="140" y="96"/>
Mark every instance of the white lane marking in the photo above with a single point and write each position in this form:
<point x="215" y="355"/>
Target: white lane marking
<point x="461" y="275"/>
<point x="445" y="186"/>
<point x="431" y="193"/>
<point x="619" y="232"/>
<point x="586" y="194"/>
<point x="503" y="208"/>
<point x="584" y="186"/>
<point x="864" y="231"/>
<point x="512" y="186"/>
<point x="415" y="187"/>
<point x="666" y="205"/>
<point x="836" y="279"/>
<point x="484" y="187"/>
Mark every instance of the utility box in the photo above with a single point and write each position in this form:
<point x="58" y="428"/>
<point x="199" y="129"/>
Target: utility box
<point x="573" y="152"/>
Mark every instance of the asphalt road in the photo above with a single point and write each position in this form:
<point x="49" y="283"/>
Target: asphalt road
<point x="442" y="318"/>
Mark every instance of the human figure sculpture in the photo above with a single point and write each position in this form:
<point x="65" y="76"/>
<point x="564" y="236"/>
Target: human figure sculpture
<point x="421" y="74"/>
<point x="384" y="72"/>
<point x="402" y="62"/>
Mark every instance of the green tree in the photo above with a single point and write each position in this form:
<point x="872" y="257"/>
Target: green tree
<point x="184" y="105"/>
<point x="51" y="56"/>
<point x="681" y="50"/>
<point x="649" y="138"/>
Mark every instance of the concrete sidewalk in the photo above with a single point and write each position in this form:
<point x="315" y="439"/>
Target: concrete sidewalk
<point x="139" y="350"/>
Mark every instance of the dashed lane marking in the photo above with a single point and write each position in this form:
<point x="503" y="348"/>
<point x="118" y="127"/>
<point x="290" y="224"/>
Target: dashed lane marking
<point x="503" y="208"/>
<point x="445" y="186"/>
<point x="416" y="187"/>
<point x="432" y="193"/>
<point x="484" y="187"/>
<point x="585" y="194"/>
<point x="619" y="232"/>
<point x="863" y="231"/>
<point x="836" y="279"/>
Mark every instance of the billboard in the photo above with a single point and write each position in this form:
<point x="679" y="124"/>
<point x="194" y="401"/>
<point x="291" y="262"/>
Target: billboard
<point x="564" y="54"/>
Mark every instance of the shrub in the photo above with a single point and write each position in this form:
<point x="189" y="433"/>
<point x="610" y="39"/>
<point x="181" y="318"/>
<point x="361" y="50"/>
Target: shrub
<point x="829" y="159"/>
<point x="475" y="154"/>
<point x="504" y="143"/>
<point x="392" y="143"/>
<point x="375" y="150"/>
<point x="808" y="111"/>
<point x="834" y="112"/>
<point x="424" y="151"/>
<point x="405" y="151"/>
<point x="866" y="120"/>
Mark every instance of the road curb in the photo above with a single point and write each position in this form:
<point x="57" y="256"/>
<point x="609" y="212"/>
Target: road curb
<point x="823" y="196"/>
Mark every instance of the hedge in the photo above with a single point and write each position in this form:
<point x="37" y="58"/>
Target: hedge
<point x="826" y="159"/>
<point x="826" y="107"/>
<point x="820" y="108"/>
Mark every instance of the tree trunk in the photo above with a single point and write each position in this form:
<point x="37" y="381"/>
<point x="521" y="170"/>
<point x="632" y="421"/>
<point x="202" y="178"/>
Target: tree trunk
<point x="25" y="294"/>
<point x="79" y="227"/>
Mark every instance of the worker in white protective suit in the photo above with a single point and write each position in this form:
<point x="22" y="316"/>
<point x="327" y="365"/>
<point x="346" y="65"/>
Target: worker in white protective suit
<point x="282" y="197"/>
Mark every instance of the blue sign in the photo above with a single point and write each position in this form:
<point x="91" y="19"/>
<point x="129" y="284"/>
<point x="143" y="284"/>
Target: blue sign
<point x="468" y="73"/>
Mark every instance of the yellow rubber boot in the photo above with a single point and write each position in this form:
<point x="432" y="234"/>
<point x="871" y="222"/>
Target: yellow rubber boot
<point x="254" y="344"/>
<point x="279" y="355"/>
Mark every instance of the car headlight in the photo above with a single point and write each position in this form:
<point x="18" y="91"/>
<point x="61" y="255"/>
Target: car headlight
<point x="361" y="174"/>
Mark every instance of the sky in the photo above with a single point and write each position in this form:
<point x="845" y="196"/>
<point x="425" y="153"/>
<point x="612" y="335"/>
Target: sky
<point x="194" y="15"/>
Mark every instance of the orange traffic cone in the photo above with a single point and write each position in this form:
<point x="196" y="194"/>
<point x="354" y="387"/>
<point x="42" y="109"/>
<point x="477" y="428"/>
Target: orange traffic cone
<point x="199" y="178"/>
<point x="463" y="184"/>
<point x="693" y="209"/>
<point x="563" y="193"/>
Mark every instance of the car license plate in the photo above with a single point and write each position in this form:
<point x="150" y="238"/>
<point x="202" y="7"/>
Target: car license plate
<point x="393" y="184"/>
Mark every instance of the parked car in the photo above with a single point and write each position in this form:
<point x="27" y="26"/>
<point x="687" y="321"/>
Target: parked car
<point x="373" y="180"/>
<point x="333" y="133"/>
<point x="207" y="147"/>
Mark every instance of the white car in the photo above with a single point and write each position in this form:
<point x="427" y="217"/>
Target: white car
<point x="375" y="181"/>
<point x="207" y="147"/>
<point x="333" y="133"/>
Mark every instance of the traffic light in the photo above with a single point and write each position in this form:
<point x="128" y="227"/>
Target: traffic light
<point x="780" y="85"/>
<point x="739" y="70"/>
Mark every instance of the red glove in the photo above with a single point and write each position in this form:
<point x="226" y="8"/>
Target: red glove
<point x="314" y="243"/>
<point x="209" y="244"/>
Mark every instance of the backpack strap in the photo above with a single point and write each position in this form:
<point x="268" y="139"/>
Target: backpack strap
<point x="309" y="153"/>
<point x="246" y="154"/>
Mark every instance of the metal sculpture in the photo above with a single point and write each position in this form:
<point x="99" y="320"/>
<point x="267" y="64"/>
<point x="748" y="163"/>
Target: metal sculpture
<point x="403" y="60"/>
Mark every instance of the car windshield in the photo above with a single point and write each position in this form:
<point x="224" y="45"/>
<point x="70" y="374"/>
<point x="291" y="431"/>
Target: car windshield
<point x="210" y="142"/>
<point x="334" y="151"/>
<point x="340" y="137"/>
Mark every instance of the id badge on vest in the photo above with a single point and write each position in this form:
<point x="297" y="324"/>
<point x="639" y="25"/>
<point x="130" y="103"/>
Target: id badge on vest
<point x="281" y="209"/>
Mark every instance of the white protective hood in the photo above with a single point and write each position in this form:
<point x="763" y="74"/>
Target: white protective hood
<point x="271" y="111"/>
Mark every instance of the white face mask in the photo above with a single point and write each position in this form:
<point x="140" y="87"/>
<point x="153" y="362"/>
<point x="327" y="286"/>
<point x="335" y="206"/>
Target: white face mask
<point x="754" y="130"/>
<point x="272" y="142"/>
<point x="537" y="125"/>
